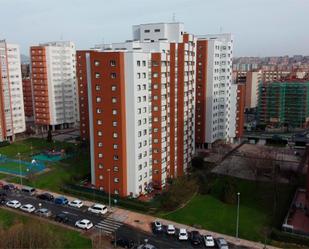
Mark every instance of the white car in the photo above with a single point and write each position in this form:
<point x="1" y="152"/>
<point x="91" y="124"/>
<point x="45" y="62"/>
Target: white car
<point x="170" y="230"/>
<point x="84" y="224"/>
<point x="27" y="208"/>
<point x="13" y="204"/>
<point x="183" y="235"/>
<point x="209" y="241"/>
<point x="76" y="203"/>
<point x="98" y="209"/>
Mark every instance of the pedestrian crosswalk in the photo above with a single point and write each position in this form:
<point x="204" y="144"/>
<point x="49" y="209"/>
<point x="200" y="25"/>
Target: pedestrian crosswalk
<point x="108" y="225"/>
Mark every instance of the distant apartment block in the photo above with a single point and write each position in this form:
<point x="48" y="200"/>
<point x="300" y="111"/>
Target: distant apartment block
<point x="284" y="103"/>
<point x="27" y="92"/>
<point x="137" y="105"/>
<point x="213" y="92"/>
<point x="12" y="117"/>
<point x="53" y="76"/>
<point x="251" y="80"/>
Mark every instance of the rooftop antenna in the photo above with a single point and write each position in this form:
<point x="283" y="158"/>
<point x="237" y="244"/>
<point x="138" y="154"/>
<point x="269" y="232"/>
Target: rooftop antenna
<point x="221" y="29"/>
<point x="174" y="17"/>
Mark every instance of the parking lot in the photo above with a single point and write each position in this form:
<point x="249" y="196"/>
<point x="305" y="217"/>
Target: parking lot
<point x="105" y="224"/>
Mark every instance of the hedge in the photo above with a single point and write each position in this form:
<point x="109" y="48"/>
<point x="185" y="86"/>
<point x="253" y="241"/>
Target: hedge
<point x="100" y="196"/>
<point x="4" y="143"/>
<point x="289" y="237"/>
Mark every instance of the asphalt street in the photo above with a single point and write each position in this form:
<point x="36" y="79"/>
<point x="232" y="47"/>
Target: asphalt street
<point x="104" y="224"/>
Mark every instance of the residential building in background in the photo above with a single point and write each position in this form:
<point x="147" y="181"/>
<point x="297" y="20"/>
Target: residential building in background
<point x="27" y="92"/>
<point x="53" y="76"/>
<point x="12" y="116"/>
<point x="251" y="80"/>
<point x="213" y="93"/>
<point x="284" y="104"/>
<point x="137" y="104"/>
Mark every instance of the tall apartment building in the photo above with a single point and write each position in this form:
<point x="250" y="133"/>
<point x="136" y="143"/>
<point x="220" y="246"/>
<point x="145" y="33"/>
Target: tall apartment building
<point x="53" y="75"/>
<point x="284" y="104"/>
<point x="27" y="92"/>
<point x="213" y="92"/>
<point x="251" y="80"/>
<point x="12" y="117"/>
<point x="137" y="108"/>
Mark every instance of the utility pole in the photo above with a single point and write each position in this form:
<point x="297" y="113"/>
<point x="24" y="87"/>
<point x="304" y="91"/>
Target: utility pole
<point x="237" y="219"/>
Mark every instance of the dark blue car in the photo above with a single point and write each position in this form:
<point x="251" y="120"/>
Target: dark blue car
<point x="61" y="200"/>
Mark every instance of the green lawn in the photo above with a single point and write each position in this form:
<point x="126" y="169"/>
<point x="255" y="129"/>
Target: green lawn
<point x="256" y="209"/>
<point x="66" y="237"/>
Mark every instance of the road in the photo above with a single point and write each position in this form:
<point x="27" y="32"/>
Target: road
<point x="104" y="224"/>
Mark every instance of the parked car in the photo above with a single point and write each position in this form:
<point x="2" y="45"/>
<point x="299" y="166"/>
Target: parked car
<point x="170" y="230"/>
<point x="84" y="224"/>
<point x="62" y="218"/>
<point x="9" y="187"/>
<point x="76" y="203"/>
<point x="13" y="204"/>
<point x="46" y="197"/>
<point x="3" y="197"/>
<point x="44" y="212"/>
<point x="27" y="208"/>
<point x="183" y="234"/>
<point x="125" y="243"/>
<point x="157" y="227"/>
<point x="146" y="246"/>
<point x="28" y="190"/>
<point x="98" y="209"/>
<point x="195" y="238"/>
<point x="61" y="200"/>
<point x="222" y="244"/>
<point x="209" y="241"/>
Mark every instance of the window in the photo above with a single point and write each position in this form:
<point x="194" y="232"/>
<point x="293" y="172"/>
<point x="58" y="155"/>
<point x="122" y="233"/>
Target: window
<point x="138" y="75"/>
<point x="155" y="119"/>
<point x="155" y="86"/>
<point x="99" y="110"/>
<point x="115" y="135"/>
<point x="101" y="177"/>
<point x="98" y="99"/>
<point x="155" y="75"/>
<point x="115" y="146"/>
<point x="113" y="75"/>
<point x="138" y="63"/>
<point x="157" y="30"/>
<point x="114" y="123"/>
<point x="114" y="112"/>
<point x="144" y="63"/>
<point x="114" y="100"/>
<point x="116" y="157"/>
<point x="99" y="122"/>
<point x="116" y="179"/>
<point x="97" y="75"/>
<point x="144" y="75"/>
<point x="156" y="140"/>
<point x="116" y="192"/>
<point x="146" y="31"/>
<point x="100" y="133"/>
<point x="112" y="63"/>
<point x="114" y="88"/>
<point x="100" y="166"/>
<point x="155" y="108"/>
<point x="100" y="144"/>
<point x="97" y="87"/>
<point x="116" y="169"/>
<point x="100" y="155"/>
<point x="96" y="63"/>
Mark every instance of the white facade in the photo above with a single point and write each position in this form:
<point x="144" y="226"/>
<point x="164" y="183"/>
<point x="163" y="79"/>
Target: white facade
<point x="11" y="83"/>
<point x="220" y="124"/>
<point x="62" y="84"/>
<point x="153" y="32"/>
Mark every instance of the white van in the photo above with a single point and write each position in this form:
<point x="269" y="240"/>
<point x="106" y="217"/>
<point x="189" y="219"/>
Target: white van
<point x="28" y="190"/>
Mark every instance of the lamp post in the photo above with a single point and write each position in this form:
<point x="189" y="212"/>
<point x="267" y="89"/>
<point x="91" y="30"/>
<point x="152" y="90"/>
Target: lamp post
<point x="109" y="188"/>
<point x="21" y="179"/>
<point x="237" y="220"/>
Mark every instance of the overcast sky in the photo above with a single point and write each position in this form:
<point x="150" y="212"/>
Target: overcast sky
<point x="260" y="27"/>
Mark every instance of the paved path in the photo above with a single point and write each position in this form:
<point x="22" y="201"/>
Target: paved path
<point x="143" y="222"/>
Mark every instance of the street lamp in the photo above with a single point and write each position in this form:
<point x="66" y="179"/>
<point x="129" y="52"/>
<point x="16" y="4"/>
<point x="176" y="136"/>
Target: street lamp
<point x="21" y="179"/>
<point x="109" y="188"/>
<point x="237" y="220"/>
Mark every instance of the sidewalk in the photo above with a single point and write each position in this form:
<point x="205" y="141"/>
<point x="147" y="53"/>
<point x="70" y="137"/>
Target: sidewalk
<point x="143" y="222"/>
